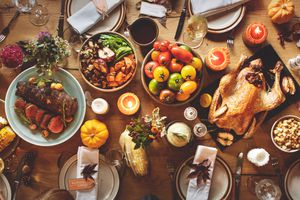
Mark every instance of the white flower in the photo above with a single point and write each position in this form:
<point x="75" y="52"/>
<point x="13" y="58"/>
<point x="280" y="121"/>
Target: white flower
<point x="258" y="157"/>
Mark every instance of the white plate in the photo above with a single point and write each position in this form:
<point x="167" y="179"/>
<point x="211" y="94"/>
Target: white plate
<point x="292" y="181"/>
<point x="108" y="178"/>
<point x="5" y="187"/>
<point x="221" y="184"/>
<point x="111" y="23"/>
<point x="225" y="21"/>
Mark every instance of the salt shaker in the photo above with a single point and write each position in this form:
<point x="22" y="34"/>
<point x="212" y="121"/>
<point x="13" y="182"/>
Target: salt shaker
<point x="190" y="113"/>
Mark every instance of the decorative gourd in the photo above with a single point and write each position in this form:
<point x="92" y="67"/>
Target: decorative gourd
<point x="94" y="133"/>
<point x="218" y="58"/>
<point x="281" y="11"/>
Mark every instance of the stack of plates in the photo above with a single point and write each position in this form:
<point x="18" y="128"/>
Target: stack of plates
<point x="108" y="178"/>
<point x="292" y="181"/>
<point x="5" y="187"/>
<point x="221" y="184"/>
<point x="111" y="23"/>
<point x="225" y="21"/>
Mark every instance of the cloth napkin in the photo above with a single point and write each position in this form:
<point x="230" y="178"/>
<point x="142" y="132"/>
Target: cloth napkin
<point x="86" y="156"/>
<point x="212" y="7"/>
<point x="154" y="10"/>
<point x="201" y="193"/>
<point x="88" y="16"/>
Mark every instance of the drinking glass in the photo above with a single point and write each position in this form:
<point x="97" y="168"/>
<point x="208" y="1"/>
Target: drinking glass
<point x="264" y="189"/>
<point x="39" y="14"/>
<point x="195" y="31"/>
<point x="24" y="5"/>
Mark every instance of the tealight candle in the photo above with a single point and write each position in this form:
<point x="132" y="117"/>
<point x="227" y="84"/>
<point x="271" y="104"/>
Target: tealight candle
<point x="100" y="106"/>
<point x="128" y="103"/>
<point x="255" y="34"/>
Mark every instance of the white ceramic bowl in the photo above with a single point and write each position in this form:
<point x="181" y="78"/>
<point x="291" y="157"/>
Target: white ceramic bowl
<point x="272" y="135"/>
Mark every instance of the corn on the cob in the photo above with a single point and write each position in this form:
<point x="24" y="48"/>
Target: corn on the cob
<point x="6" y="137"/>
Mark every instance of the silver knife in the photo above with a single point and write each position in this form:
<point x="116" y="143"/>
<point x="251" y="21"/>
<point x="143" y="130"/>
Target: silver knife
<point x="239" y="165"/>
<point x="60" y="27"/>
<point x="180" y="22"/>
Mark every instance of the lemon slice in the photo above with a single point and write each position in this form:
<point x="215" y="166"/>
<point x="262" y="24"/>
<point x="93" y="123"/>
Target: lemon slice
<point x="1" y="166"/>
<point x="205" y="100"/>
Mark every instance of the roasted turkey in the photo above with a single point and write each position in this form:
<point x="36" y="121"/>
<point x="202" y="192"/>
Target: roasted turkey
<point x="242" y="96"/>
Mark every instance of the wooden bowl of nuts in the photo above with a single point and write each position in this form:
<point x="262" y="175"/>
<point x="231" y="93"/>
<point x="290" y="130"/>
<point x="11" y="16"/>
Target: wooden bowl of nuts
<point x="108" y="61"/>
<point x="285" y="133"/>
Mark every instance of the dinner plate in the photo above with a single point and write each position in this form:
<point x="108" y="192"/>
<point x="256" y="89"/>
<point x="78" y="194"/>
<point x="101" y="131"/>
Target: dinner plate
<point x="221" y="184"/>
<point x="292" y="181"/>
<point x="224" y="21"/>
<point x="108" y="178"/>
<point x="5" y="187"/>
<point x="111" y="23"/>
<point x="71" y="86"/>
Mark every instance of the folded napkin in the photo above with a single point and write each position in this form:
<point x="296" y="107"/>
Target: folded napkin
<point x="201" y="192"/>
<point x="86" y="156"/>
<point x="154" y="10"/>
<point x="89" y="15"/>
<point x="213" y="7"/>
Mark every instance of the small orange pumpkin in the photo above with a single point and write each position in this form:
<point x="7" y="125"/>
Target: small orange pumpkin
<point x="281" y="11"/>
<point x="218" y="58"/>
<point x="94" y="133"/>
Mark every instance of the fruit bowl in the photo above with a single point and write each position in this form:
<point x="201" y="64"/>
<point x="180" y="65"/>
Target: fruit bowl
<point x="176" y="83"/>
<point x="108" y="61"/>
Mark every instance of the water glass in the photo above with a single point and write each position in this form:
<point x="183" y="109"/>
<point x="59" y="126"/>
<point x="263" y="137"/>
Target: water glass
<point x="24" y="5"/>
<point x="266" y="189"/>
<point x="39" y="14"/>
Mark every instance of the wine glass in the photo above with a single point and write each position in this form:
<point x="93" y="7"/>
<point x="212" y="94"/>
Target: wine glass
<point x="39" y="14"/>
<point x="264" y="189"/>
<point x="195" y="31"/>
<point x="24" y="6"/>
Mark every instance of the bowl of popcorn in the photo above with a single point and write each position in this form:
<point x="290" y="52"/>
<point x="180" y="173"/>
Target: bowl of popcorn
<point x="285" y="133"/>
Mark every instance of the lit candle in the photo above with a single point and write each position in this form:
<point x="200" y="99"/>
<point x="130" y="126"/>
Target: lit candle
<point x="100" y="106"/>
<point x="255" y="34"/>
<point x="128" y="103"/>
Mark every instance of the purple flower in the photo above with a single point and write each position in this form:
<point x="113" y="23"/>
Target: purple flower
<point x="43" y="35"/>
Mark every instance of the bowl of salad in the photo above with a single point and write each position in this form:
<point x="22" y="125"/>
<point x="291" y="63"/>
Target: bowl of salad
<point x="108" y="61"/>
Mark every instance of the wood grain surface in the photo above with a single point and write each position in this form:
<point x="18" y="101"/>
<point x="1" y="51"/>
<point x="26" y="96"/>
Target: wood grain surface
<point x="158" y="182"/>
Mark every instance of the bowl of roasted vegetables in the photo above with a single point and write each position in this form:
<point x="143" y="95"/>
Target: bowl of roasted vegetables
<point x="172" y="73"/>
<point x="107" y="61"/>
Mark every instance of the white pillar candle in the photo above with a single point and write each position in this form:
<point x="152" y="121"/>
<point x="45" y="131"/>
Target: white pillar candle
<point x="100" y="106"/>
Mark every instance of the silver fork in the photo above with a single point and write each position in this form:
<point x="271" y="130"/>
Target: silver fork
<point x="5" y="31"/>
<point x="230" y="40"/>
<point x="275" y="165"/>
<point x="171" y="169"/>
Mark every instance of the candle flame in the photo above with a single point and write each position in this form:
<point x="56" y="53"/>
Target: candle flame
<point x="257" y="30"/>
<point x="129" y="104"/>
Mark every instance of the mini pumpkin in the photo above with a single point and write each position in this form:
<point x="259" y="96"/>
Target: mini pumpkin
<point x="281" y="11"/>
<point x="94" y="133"/>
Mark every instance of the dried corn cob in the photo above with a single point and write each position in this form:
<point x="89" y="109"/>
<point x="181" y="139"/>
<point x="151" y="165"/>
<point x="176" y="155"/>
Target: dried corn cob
<point x="6" y="137"/>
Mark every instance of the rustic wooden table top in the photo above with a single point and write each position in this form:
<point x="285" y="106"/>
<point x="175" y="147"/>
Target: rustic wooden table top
<point x="158" y="182"/>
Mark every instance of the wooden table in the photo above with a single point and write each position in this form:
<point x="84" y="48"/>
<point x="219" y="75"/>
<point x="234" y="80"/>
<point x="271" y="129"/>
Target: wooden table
<point x="158" y="182"/>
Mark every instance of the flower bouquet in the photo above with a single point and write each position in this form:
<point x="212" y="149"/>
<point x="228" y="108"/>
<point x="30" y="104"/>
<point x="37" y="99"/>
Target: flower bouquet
<point x="47" y="51"/>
